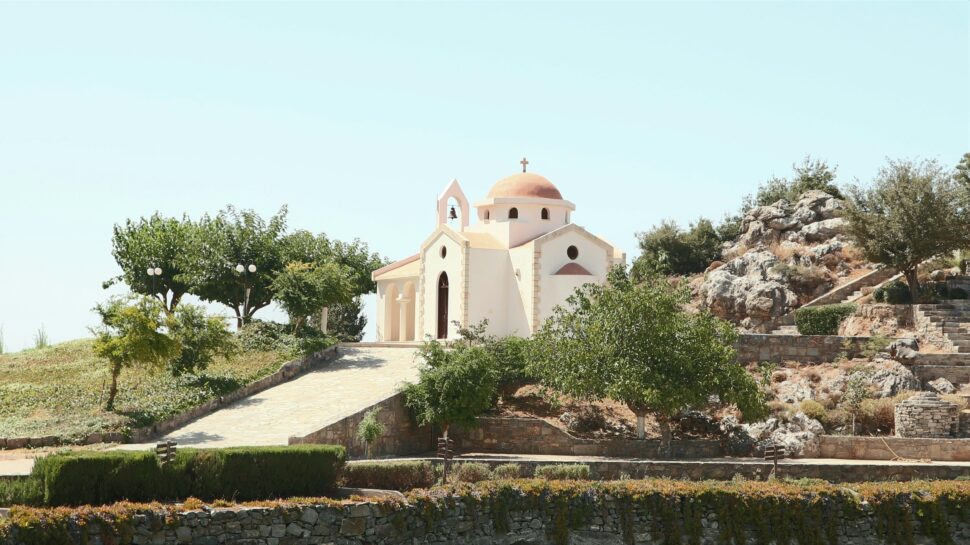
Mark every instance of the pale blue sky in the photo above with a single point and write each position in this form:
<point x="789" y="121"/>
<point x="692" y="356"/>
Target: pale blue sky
<point x="356" y="115"/>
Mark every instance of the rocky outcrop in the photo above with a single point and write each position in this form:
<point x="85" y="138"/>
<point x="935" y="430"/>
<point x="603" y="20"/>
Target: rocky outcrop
<point x="799" y="435"/>
<point x="890" y="378"/>
<point x="755" y="286"/>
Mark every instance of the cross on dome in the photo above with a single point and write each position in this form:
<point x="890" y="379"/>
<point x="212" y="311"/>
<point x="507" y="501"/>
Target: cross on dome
<point x="524" y="162"/>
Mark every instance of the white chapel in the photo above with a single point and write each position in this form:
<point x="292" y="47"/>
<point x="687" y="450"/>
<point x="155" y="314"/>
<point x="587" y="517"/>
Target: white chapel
<point x="521" y="258"/>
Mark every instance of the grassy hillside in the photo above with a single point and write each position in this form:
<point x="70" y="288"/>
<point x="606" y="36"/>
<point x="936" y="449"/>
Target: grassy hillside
<point x="60" y="390"/>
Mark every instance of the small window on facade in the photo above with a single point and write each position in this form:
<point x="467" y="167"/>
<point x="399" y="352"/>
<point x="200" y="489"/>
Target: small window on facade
<point x="572" y="252"/>
<point x="545" y="213"/>
<point x="513" y="213"/>
<point x="444" y="252"/>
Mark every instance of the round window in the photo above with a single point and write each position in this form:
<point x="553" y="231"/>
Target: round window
<point x="572" y="252"/>
<point x="444" y="252"/>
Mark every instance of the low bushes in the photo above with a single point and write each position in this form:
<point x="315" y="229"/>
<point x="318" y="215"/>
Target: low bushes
<point x="563" y="472"/>
<point x="894" y="293"/>
<point x="242" y="473"/>
<point x="822" y="320"/>
<point x="472" y="472"/>
<point x="389" y="475"/>
<point x="507" y="471"/>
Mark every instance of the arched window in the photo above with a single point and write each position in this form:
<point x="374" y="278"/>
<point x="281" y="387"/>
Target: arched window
<point x="545" y="213"/>
<point x="486" y="214"/>
<point x="513" y="213"/>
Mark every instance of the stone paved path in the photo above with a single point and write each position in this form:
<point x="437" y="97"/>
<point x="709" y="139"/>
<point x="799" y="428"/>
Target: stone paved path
<point x="361" y="377"/>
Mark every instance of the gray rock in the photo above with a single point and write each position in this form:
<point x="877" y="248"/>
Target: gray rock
<point x="799" y="435"/>
<point x="823" y="230"/>
<point x="903" y="350"/>
<point x="941" y="386"/>
<point x="891" y="378"/>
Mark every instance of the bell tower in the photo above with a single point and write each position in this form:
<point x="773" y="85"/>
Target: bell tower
<point x="453" y="211"/>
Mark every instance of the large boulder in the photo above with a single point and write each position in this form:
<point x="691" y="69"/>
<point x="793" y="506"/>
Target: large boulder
<point x="890" y="378"/>
<point x="941" y="386"/>
<point x="799" y="435"/>
<point x="823" y="230"/>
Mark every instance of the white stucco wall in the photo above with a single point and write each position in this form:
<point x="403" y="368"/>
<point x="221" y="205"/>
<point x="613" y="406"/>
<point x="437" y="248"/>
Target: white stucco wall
<point x="555" y="289"/>
<point x="453" y="264"/>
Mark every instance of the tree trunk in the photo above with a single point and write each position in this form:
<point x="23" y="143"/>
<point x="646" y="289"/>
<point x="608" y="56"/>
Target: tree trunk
<point x="113" y="390"/>
<point x="324" y="317"/>
<point x="239" y="319"/>
<point x="641" y="426"/>
<point x="664" y="423"/>
<point x="912" y="278"/>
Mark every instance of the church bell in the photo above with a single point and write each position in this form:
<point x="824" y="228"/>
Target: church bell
<point x="452" y="215"/>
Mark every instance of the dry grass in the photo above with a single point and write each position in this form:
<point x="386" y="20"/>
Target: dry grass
<point x="60" y="390"/>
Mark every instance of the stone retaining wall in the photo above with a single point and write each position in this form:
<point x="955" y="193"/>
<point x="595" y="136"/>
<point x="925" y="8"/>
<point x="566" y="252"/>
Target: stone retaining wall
<point x="759" y="347"/>
<point x="754" y="469"/>
<point x="536" y="436"/>
<point x="401" y="436"/>
<point x="286" y="372"/>
<point x="603" y="520"/>
<point x="888" y="448"/>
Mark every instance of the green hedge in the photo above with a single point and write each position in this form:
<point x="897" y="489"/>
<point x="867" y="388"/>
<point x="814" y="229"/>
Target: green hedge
<point x="561" y="472"/>
<point x="389" y="475"/>
<point x="822" y="320"/>
<point x="243" y="473"/>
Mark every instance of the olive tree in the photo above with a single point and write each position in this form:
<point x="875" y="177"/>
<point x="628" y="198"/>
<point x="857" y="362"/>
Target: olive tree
<point x="912" y="211"/>
<point x="634" y="343"/>
<point x="132" y="331"/>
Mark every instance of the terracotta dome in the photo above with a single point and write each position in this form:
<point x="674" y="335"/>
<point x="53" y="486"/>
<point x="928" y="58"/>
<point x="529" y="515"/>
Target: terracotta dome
<point x="525" y="184"/>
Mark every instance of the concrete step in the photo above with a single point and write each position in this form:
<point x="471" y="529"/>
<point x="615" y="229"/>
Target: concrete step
<point x="959" y="336"/>
<point x="946" y="360"/>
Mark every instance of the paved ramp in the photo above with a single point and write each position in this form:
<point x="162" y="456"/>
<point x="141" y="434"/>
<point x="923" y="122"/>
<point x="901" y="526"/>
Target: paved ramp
<point x="359" y="378"/>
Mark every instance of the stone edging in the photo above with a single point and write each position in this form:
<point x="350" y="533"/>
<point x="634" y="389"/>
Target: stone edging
<point x="287" y="371"/>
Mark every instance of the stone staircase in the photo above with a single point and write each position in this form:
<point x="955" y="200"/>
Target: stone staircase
<point x="846" y="293"/>
<point x="950" y="319"/>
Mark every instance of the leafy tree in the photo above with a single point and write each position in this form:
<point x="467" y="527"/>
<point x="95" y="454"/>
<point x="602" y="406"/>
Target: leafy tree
<point x="810" y="174"/>
<point x="169" y="244"/>
<point x="131" y="332"/>
<point x="635" y="343"/>
<point x="304" y="289"/>
<point x="200" y="338"/>
<point x="370" y="430"/>
<point x="682" y="252"/>
<point x="962" y="172"/>
<point x="454" y="386"/>
<point x="357" y="257"/>
<point x="912" y="211"/>
<point x="345" y="321"/>
<point x="241" y="237"/>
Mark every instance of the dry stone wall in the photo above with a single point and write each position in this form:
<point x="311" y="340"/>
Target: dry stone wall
<point x="926" y="415"/>
<point x="754" y="348"/>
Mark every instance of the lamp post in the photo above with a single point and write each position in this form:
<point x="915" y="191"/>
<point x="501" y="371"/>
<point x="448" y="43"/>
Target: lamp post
<point x="154" y="272"/>
<point x="243" y="269"/>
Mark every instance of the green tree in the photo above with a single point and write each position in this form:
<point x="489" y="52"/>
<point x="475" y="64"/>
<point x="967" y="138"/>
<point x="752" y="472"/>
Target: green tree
<point x="680" y="251"/>
<point x="911" y="212"/>
<point x="241" y="237"/>
<point x="345" y="321"/>
<point x="131" y="332"/>
<point x="304" y="289"/>
<point x="454" y="386"/>
<point x="169" y="245"/>
<point x="370" y="430"/>
<point x="811" y="174"/>
<point x="962" y="172"/>
<point x="200" y="339"/>
<point x="635" y="343"/>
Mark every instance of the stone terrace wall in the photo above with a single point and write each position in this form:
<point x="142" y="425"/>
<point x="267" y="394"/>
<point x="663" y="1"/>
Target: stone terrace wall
<point x="459" y="523"/>
<point x="926" y="415"/>
<point x="401" y="436"/>
<point x="536" y="436"/>
<point x="887" y="448"/>
<point x="757" y="347"/>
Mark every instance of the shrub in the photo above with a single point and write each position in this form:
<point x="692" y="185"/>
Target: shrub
<point x="21" y="491"/>
<point x="389" y="475"/>
<point x="681" y="251"/>
<point x="241" y="473"/>
<point x="563" y="472"/>
<point x="263" y="336"/>
<point x="822" y="320"/>
<point x="200" y="338"/>
<point x="370" y="430"/>
<point x="813" y="409"/>
<point x="510" y="363"/>
<point x="893" y="293"/>
<point x="472" y="472"/>
<point x="877" y="416"/>
<point x="507" y="471"/>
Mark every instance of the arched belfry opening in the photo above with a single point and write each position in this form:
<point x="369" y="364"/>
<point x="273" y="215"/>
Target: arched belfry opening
<point x="442" y="330"/>
<point x="453" y="207"/>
